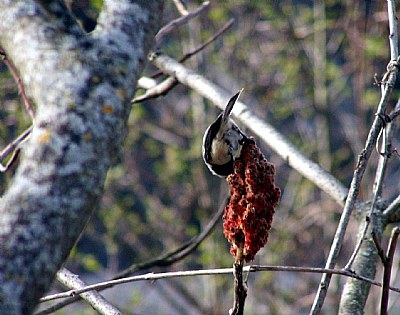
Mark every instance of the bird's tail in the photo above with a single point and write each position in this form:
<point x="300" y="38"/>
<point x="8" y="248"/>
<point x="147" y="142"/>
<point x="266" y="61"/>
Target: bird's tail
<point x="228" y="109"/>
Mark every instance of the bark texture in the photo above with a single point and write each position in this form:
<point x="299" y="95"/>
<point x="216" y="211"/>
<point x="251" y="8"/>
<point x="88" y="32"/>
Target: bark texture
<point x="81" y="85"/>
<point x="355" y="292"/>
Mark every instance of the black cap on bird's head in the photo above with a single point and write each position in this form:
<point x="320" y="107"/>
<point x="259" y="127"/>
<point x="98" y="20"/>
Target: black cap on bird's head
<point x="222" y="141"/>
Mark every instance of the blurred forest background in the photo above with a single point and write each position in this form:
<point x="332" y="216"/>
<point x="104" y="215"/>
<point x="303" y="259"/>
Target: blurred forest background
<point x="307" y="67"/>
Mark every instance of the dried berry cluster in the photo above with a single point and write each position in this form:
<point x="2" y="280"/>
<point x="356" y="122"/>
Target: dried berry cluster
<point x="254" y="196"/>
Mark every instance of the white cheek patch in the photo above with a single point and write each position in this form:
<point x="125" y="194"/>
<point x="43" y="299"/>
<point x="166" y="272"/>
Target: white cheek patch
<point x="220" y="153"/>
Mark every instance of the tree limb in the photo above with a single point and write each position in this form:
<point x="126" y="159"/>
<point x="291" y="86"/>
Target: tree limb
<point x="13" y="147"/>
<point x="207" y="272"/>
<point x="81" y="85"/>
<point x="101" y="305"/>
<point x="180" y="21"/>
<point x="296" y="159"/>
<point x="17" y="79"/>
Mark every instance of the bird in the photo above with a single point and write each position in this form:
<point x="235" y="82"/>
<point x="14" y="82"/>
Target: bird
<point x="222" y="141"/>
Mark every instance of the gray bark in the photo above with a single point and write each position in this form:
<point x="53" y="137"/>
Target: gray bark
<point x="355" y="292"/>
<point x="81" y="85"/>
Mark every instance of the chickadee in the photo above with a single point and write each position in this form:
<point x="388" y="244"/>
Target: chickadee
<point x="223" y="141"/>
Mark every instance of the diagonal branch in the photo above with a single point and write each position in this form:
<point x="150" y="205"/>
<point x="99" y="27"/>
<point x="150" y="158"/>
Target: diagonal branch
<point x="178" y="254"/>
<point x="180" y="21"/>
<point x="210" y="40"/>
<point x="295" y="158"/>
<point x="168" y="84"/>
<point x="18" y="80"/>
<point x="101" y="305"/>
<point x="9" y="148"/>
<point x="13" y="146"/>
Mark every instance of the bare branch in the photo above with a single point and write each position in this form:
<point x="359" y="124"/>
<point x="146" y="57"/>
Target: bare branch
<point x="13" y="158"/>
<point x="168" y="84"/>
<point x="180" y="253"/>
<point x="13" y="146"/>
<point x="296" y="159"/>
<point x="162" y="261"/>
<point x="101" y="305"/>
<point x="221" y="31"/>
<point x="379" y="248"/>
<point x="180" y="21"/>
<point x="189" y="54"/>
<point x="18" y="80"/>
<point x="9" y="148"/>
<point x="58" y="306"/>
<point x="208" y="272"/>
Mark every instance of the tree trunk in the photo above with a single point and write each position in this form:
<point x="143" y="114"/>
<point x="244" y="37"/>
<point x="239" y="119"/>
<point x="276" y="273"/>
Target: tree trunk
<point x="355" y="292"/>
<point x="81" y="85"/>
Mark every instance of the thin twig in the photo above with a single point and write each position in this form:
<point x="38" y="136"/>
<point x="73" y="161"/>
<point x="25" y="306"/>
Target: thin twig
<point x="381" y="252"/>
<point x="362" y="163"/>
<point x="180" y="21"/>
<point x="18" y="80"/>
<point x="180" y="253"/>
<point x="59" y="305"/>
<point x="168" y="84"/>
<point x="13" y="146"/>
<point x="162" y="261"/>
<point x="254" y="268"/>
<point x="210" y="40"/>
<point x="13" y="158"/>
<point x="388" y="270"/>
<point x="9" y="148"/>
